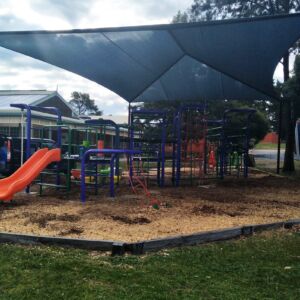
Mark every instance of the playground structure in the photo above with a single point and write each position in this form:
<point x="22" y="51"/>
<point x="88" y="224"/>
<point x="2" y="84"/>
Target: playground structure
<point x="148" y="136"/>
<point x="163" y="147"/>
<point x="190" y="127"/>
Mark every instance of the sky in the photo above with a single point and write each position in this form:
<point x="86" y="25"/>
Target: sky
<point x="20" y="72"/>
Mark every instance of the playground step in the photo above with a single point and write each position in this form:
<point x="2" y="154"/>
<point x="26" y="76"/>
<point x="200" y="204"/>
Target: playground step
<point x="52" y="173"/>
<point x="51" y="185"/>
<point x="145" y="159"/>
<point x="87" y="183"/>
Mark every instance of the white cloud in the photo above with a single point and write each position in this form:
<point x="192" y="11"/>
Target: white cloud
<point x="132" y="12"/>
<point x="24" y="11"/>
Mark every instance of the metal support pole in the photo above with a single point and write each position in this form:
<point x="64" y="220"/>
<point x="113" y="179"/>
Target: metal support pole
<point x="82" y="179"/>
<point x="178" y="154"/>
<point x="58" y="144"/>
<point x="22" y="137"/>
<point x="163" y="149"/>
<point x="131" y="143"/>
<point x="117" y="146"/>
<point x="174" y="150"/>
<point x="28" y="139"/>
<point x="247" y="140"/>
<point x="279" y="136"/>
<point x="112" y="182"/>
<point x="129" y="118"/>
<point x="222" y="152"/>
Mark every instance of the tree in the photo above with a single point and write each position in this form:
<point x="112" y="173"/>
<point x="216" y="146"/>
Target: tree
<point x="215" y="109"/>
<point x="84" y="105"/>
<point x="206" y="10"/>
<point x="181" y="17"/>
<point x="291" y="92"/>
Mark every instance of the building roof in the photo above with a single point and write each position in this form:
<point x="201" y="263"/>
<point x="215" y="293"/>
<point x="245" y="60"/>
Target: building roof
<point x="8" y="112"/>
<point x="118" y="119"/>
<point x="26" y="97"/>
<point x="29" y="97"/>
<point x="231" y="59"/>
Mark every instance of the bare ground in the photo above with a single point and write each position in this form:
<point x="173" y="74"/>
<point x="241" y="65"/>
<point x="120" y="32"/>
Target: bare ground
<point x="184" y="210"/>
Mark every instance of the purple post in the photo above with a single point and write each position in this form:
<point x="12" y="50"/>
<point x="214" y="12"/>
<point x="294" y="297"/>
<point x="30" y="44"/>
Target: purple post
<point x="28" y="139"/>
<point x="82" y="179"/>
<point x="178" y="158"/>
<point x="30" y="108"/>
<point x="116" y="144"/>
<point x="112" y="181"/>
<point x="174" y="150"/>
<point x="222" y="152"/>
<point x="247" y="140"/>
<point x="131" y="146"/>
<point x="163" y="149"/>
<point x="85" y="157"/>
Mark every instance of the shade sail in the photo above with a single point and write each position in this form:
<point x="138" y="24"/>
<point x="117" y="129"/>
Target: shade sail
<point x="232" y="59"/>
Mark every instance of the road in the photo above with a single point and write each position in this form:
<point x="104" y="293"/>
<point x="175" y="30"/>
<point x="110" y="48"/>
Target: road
<point x="267" y="154"/>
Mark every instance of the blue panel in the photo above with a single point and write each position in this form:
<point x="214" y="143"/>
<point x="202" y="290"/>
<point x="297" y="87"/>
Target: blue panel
<point x="90" y="55"/>
<point x="247" y="50"/>
<point x="191" y="80"/>
<point x="155" y="92"/>
<point x="235" y="90"/>
<point x="155" y="50"/>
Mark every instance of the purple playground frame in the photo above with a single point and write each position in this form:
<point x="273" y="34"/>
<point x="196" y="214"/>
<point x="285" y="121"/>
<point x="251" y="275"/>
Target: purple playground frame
<point x="115" y="153"/>
<point x="29" y="109"/>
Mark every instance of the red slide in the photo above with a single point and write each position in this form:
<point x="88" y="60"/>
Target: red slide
<point x="27" y="173"/>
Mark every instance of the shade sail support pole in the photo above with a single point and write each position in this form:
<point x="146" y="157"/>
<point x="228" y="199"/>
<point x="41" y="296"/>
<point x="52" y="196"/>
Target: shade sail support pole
<point x="279" y="136"/>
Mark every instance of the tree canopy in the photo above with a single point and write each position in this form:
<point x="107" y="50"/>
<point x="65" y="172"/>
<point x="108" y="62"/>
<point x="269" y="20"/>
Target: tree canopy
<point x="215" y="109"/>
<point x="207" y="10"/>
<point x="83" y="104"/>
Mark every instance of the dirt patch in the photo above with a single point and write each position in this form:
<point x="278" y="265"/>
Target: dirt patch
<point x="211" y="210"/>
<point x="42" y="220"/>
<point x="71" y="231"/>
<point x="68" y="218"/>
<point x="127" y="220"/>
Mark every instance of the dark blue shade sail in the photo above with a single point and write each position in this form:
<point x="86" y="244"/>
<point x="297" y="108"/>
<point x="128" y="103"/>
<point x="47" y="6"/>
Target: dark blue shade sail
<point x="233" y="59"/>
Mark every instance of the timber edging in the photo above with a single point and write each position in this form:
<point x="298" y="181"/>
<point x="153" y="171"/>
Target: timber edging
<point x="142" y="247"/>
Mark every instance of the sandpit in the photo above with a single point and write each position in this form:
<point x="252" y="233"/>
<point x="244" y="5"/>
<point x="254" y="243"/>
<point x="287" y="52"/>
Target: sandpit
<point x="129" y="218"/>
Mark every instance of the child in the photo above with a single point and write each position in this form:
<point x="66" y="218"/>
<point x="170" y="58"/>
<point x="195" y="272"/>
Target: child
<point x="3" y="156"/>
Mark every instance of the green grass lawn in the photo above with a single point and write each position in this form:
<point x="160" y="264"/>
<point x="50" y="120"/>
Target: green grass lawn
<point x="269" y="165"/>
<point x="261" y="267"/>
<point x="268" y="146"/>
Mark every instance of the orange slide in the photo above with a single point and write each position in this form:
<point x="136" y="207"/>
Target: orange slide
<point x="27" y="173"/>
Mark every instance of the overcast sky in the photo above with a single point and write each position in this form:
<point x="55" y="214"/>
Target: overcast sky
<point x="20" y="72"/>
